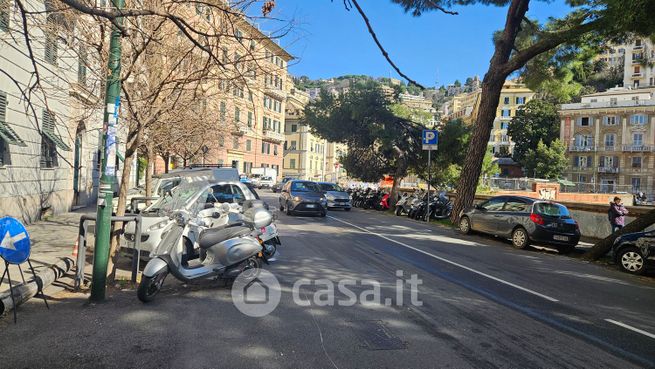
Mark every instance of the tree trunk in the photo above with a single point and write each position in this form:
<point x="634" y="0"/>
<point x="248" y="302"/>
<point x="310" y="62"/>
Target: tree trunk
<point x="491" y="88"/>
<point x="150" y="169"/>
<point x="167" y="159"/>
<point x="117" y="227"/>
<point x="603" y="246"/>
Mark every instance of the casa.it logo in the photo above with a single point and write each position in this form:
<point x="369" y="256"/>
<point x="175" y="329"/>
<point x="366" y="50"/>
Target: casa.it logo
<point x="258" y="296"/>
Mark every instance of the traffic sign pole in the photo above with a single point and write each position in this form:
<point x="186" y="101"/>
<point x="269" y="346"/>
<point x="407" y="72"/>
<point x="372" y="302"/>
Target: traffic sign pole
<point x="429" y="170"/>
<point x="430" y="142"/>
<point x="108" y="178"/>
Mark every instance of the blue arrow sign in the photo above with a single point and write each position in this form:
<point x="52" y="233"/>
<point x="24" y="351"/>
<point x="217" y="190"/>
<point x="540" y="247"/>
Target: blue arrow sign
<point x="14" y="241"/>
<point x="430" y="137"/>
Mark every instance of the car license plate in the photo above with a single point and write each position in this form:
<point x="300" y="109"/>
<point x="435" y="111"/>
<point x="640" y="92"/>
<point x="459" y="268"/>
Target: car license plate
<point x="311" y="205"/>
<point x="560" y="238"/>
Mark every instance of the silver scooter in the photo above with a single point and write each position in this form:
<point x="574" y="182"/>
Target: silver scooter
<point x="229" y="250"/>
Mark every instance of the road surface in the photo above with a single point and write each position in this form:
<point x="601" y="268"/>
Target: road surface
<point x="483" y="305"/>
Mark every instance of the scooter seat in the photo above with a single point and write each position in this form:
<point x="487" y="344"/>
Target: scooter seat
<point x="214" y="236"/>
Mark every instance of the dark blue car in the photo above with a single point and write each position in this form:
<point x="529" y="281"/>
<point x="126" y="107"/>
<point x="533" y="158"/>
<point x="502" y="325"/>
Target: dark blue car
<point x="635" y="252"/>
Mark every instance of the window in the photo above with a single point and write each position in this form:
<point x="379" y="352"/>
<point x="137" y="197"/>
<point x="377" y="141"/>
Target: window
<point x="292" y="163"/>
<point x="637" y="69"/>
<point x="638" y="119"/>
<point x="609" y="140"/>
<point x="613" y="101"/>
<point x="584" y="122"/>
<point x="294" y="128"/>
<point x="292" y="146"/>
<point x="520" y="100"/>
<point x="51" y="42"/>
<point x="239" y="35"/>
<point x="48" y="153"/>
<point x="504" y="125"/>
<point x="516" y="205"/>
<point x="582" y="178"/>
<point x="637" y="139"/>
<point x="495" y="204"/>
<point x="5" y="9"/>
<point x="223" y="111"/>
<point x="608" y="162"/>
<point x="50" y="141"/>
<point x="275" y="150"/>
<point x="584" y="140"/>
<point x="551" y="209"/>
<point x="506" y="113"/>
<point x="81" y="65"/>
<point x="506" y="100"/>
<point x="636" y="184"/>
<point x="250" y="118"/>
<point x="636" y="161"/>
<point x="235" y="143"/>
<point x="237" y="115"/>
<point x="248" y="145"/>
<point x="610" y="120"/>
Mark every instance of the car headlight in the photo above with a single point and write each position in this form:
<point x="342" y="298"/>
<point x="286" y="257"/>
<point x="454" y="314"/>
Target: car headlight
<point x="296" y="198"/>
<point x="158" y="225"/>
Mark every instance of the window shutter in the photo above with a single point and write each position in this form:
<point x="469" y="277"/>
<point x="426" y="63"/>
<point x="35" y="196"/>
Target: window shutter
<point x="590" y="161"/>
<point x="3" y="107"/>
<point x="4" y="15"/>
<point x="615" y="162"/>
<point x="602" y="161"/>
<point x="576" y="161"/>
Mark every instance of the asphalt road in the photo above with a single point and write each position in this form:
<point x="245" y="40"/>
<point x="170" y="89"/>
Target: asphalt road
<point x="483" y="305"/>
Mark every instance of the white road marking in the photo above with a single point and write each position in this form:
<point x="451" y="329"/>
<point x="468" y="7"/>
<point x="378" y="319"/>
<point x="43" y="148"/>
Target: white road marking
<point x="450" y="262"/>
<point x="647" y="334"/>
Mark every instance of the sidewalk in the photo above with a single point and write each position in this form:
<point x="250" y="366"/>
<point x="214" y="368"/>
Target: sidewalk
<point x="51" y="240"/>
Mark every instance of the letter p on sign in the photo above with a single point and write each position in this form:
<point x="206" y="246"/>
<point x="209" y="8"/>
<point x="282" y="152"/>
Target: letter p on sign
<point x="430" y="139"/>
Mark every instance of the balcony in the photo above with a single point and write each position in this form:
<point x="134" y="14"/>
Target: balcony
<point x="581" y="169"/>
<point x="610" y="170"/>
<point x="240" y="128"/>
<point x="272" y="135"/>
<point x="576" y="148"/>
<point x="638" y="148"/>
<point x="607" y="148"/>
<point x="636" y="75"/>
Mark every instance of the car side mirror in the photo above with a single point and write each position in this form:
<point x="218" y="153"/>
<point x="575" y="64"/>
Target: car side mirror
<point x="216" y="215"/>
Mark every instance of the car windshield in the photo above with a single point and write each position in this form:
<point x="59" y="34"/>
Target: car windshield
<point x="331" y="187"/>
<point x="305" y="187"/>
<point x="267" y="178"/>
<point x="178" y="198"/>
<point x="551" y="209"/>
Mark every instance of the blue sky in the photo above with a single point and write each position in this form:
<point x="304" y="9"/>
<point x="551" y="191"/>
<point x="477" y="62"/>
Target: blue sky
<point x="433" y="49"/>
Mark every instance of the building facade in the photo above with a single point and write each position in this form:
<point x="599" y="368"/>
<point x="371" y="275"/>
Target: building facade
<point x="512" y="97"/>
<point x="639" y="70"/>
<point x="610" y="139"/>
<point x="49" y="147"/>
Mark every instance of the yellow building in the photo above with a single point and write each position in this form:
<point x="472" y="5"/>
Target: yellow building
<point x="512" y="97"/>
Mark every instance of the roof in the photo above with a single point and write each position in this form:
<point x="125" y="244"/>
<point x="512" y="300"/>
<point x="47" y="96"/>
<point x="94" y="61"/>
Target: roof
<point x="623" y="91"/>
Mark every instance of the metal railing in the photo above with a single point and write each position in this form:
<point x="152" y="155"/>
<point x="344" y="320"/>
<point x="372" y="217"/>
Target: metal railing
<point x="81" y="245"/>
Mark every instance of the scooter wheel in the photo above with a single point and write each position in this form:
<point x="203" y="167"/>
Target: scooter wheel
<point x="150" y="286"/>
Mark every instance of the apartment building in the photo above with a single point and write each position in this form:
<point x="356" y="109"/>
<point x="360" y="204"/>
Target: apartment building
<point x="305" y="154"/>
<point x="463" y="106"/>
<point x="513" y="95"/>
<point x="638" y="70"/>
<point x="49" y="147"/>
<point x="611" y="140"/>
<point x="251" y="106"/>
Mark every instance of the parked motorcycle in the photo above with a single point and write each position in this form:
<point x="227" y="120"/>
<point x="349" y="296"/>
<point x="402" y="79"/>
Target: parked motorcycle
<point x="227" y="251"/>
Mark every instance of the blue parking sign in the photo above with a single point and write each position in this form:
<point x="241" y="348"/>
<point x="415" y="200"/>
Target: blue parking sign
<point x="430" y="139"/>
<point x="14" y="241"/>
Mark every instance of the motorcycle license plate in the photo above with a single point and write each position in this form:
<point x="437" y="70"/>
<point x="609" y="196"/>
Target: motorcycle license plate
<point x="311" y="205"/>
<point x="560" y="238"/>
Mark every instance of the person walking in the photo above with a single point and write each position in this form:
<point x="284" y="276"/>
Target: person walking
<point x="616" y="214"/>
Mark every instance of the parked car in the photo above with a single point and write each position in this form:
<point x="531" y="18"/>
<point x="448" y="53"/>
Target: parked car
<point x="155" y="221"/>
<point x="303" y="197"/>
<point x="337" y="197"/>
<point x="164" y="183"/>
<point x="525" y="220"/>
<point x="635" y="252"/>
<point x="278" y="186"/>
<point x="265" y="182"/>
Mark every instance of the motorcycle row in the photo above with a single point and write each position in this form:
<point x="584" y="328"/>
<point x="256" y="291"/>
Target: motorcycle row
<point x="223" y="241"/>
<point x="416" y="206"/>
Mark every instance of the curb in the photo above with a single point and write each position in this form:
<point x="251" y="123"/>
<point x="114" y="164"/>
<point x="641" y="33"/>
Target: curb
<point x="25" y="291"/>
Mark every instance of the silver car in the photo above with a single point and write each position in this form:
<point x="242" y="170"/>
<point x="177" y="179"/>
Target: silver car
<point x="155" y="219"/>
<point x="337" y="197"/>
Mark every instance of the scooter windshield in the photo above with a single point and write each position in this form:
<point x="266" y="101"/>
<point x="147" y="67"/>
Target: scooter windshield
<point x="178" y="199"/>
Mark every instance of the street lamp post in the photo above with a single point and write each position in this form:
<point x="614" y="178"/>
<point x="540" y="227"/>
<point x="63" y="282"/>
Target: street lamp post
<point x="108" y="167"/>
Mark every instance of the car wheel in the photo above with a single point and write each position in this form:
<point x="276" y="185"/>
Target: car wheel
<point x="323" y="214"/>
<point x="631" y="260"/>
<point x="520" y="238"/>
<point x="465" y="225"/>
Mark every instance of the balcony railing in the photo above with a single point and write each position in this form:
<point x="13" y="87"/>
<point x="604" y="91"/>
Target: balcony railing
<point x="608" y="169"/>
<point x="576" y="148"/>
<point x="240" y="128"/>
<point x="607" y="148"/>
<point x="638" y="148"/>
<point x="273" y="135"/>
<point x="581" y="169"/>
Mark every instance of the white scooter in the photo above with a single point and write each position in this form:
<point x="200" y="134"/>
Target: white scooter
<point x="229" y="250"/>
